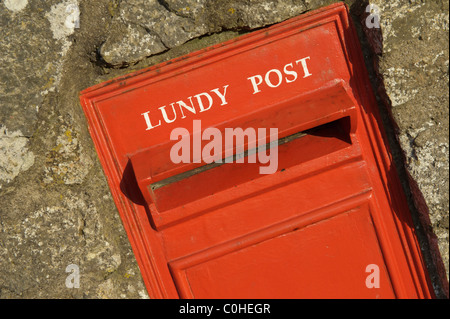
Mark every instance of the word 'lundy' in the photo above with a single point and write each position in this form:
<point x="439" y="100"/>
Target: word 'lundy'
<point x="213" y="151"/>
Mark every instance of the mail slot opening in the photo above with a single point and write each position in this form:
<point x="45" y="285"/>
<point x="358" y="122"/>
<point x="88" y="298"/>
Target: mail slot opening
<point x="339" y="129"/>
<point x="210" y="179"/>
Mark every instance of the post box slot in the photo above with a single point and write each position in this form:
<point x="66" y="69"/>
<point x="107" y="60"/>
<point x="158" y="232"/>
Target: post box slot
<point x="216" y="177"/>
<point x="224" y="161"/>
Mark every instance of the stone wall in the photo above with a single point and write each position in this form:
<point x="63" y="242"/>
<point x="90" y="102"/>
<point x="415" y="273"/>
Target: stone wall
<point x="56" y="208"/>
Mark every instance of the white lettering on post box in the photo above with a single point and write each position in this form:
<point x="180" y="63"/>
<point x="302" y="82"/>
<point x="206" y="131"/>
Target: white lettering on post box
<point x="274" y="78"/>
<point x="201" y="102"/>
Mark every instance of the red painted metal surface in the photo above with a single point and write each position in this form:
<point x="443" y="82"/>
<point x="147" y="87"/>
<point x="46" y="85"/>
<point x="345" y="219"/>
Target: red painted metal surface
<point x="333" y="207"/>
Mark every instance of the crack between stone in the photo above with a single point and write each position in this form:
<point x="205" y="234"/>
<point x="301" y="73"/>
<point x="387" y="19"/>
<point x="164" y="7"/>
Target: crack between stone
<point x="147" y="29"/>
<point x="156" y="34"/>
<point x="163" y="3"/>
<point x="305" y="5"/>
<point x="128" y="64"/>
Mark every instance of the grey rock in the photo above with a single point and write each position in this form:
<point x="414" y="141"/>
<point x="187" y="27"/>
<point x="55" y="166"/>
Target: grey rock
<point x="67" y="162"/>
<point x="15" y="5"/>
<point x="129" y="44"/>
<point x="176" y="22"/>
<point x="172" y="29"/>
<point x="247" y="14"/>
<point x="38" y="248"/>
<point x="64" y="17"/>
<point x="145" y="28"/>
<point x="14" y="155"/>
<point x="55" y="203"/>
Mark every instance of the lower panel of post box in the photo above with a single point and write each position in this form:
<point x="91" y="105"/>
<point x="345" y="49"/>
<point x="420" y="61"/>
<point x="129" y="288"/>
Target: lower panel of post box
<point x="298" y="259"/>
<point x="303" y="193"/>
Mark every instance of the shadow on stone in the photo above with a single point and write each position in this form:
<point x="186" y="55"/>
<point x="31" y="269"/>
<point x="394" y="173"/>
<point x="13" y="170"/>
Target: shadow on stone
<point x="371" y="40"/>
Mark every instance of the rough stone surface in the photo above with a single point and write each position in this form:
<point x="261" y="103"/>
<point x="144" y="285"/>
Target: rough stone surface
<point x="16" y="5"/>
<point x="56" y="208"/>
<point x="159" y="25"/>
<point x="130" y="44"/>
<point x="14" y="155"/>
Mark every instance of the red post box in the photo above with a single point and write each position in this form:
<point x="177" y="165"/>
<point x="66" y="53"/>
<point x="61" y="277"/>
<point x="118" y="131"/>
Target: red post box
<point x="329" y="221"/>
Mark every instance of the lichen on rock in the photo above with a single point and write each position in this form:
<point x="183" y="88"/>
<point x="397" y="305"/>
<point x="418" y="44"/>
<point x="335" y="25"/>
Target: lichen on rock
<point x="14" y="155"/>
